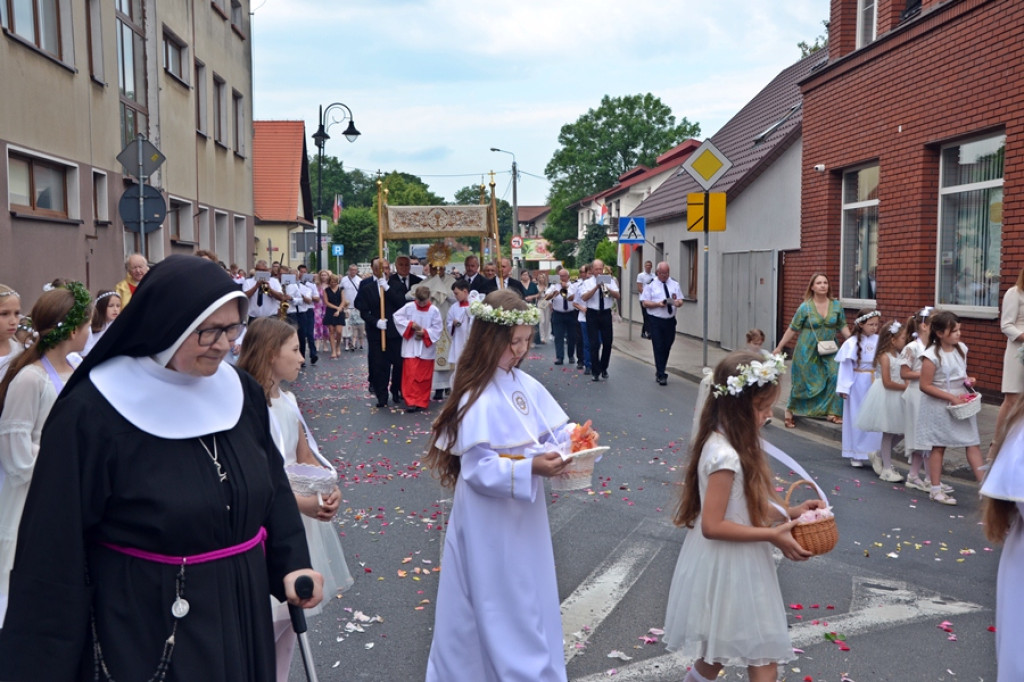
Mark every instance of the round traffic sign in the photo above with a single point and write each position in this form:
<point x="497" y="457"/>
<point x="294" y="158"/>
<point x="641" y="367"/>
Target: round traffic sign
<point x="517" y="242"/>
<point x="154" y="209"/>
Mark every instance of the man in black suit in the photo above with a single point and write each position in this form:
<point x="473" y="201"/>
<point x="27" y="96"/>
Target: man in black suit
<point x="511" y="282"/>
<point x="486" y="282"/>
<point x="400" y="284"/>
<point x="381" y="360"/>
<point x="478" y="281"/>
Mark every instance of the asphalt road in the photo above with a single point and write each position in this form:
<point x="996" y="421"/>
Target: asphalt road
<point x="910" y="586"/>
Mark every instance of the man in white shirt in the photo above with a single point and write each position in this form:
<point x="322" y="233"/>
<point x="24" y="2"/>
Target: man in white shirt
<point x="265" y="295"/>
<point x="304" y="295"/>
<point x="599" y="293"/>
<point x="661" y="299"/>
<point x="582" y="340"/>
<point x="350" y="284"/>
<point x="563" y="316"/>
<point x="642" y="280"/>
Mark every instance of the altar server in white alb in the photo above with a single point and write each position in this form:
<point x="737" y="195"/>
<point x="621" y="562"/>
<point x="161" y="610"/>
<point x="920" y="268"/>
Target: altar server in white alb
<point x="421" y="325"/>
<point x="496" y="439"/>
<point x="856" y="360"/>
<point x="458" y="321"/>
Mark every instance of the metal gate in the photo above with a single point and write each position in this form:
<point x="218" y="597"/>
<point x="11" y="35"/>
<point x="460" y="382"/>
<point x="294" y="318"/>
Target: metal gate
<point x="748" y="297"/>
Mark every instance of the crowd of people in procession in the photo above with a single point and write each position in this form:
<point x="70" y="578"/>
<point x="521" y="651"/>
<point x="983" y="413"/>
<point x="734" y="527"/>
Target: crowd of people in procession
<point x="173" y="465"/>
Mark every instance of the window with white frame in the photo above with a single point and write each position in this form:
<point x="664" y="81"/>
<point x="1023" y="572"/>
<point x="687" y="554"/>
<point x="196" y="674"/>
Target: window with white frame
<point x="867" y="21"/>
<point x="241" y="244"/>
<point x="179" y="220"/>
<point x="688" y="268"/>
<point x="971" y="222"/>
<point x="37" y="186"/>
<point x="94" y="32"/>
<point x="200" y="86"/>
<point x="203" y="225"/>
<point x="175" y="56"/>
<point x="238" y="116"/>
<point x="220" y="105"/>
<point x="859" y="250"/>
<point x="220" y="233"/>
<point x="131" y="69"/>
<point x="100" y="207"/>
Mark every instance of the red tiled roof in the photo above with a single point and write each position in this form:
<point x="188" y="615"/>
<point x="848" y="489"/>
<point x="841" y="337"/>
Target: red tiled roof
<point x="280" y="172"/>
<point x="528" y="214"/>
<point x="772" y="118"/>
<point x="666" y="161"/>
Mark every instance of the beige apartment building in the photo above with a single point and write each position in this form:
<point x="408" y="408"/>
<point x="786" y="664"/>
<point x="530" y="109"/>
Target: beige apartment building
<point x="78" y="80"/>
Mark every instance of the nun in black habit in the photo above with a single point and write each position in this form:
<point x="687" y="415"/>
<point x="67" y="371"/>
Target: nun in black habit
<point x="159" y="517"/>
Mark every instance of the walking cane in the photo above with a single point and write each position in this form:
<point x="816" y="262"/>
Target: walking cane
<point x="304" y="589"/>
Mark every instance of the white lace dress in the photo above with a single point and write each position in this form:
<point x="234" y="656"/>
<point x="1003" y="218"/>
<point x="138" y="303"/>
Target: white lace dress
<point x="725" y="605"/>
<point x="936" y="427"/>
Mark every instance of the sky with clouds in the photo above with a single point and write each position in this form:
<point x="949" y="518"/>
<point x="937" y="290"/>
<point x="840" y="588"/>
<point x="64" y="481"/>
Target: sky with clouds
<point x="434" y="84"/>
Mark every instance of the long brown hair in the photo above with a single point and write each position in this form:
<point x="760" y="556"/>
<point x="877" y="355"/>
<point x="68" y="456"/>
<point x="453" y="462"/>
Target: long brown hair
<point x="732" y="416"/>
<point x="858" y="331"/>
<point x="938" y="324"/>
<point x="887" y="340"/>
<point x="261" y="346"/>
<point x="50" y="309"/>
<point x="488" y="341"/>
<point x="999" y="515"/>
<point x="809" y="294"/>
<point x="99" y="310"/>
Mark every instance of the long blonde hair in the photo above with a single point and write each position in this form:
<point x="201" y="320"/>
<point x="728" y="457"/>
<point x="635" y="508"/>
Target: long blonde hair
<point x="733" y="417"/>
<point x="261" y="346"/>
<point x="489" y="341"/>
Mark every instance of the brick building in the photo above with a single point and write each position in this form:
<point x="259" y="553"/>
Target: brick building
<point x="913" y="132"/>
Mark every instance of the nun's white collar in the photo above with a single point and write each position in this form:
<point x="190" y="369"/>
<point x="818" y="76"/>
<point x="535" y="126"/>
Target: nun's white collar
<point x="170" y="404"/>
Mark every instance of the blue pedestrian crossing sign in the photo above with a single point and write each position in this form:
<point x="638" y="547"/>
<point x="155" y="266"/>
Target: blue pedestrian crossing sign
<point x="632" y="230"/>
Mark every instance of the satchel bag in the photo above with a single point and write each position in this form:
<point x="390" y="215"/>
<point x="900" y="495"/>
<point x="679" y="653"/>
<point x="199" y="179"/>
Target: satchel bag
<point x="828" y="347"/>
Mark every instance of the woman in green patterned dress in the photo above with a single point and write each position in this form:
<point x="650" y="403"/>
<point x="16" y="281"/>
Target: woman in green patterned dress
<point x="819" y="318"/>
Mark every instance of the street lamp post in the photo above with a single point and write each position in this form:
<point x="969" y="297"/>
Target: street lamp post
<point x="320" y="138"/>
<point x="516" y="227"/>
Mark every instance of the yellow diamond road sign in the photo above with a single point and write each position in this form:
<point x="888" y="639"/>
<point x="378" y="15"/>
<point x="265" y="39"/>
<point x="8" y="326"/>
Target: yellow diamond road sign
<point x="707" y="165"/>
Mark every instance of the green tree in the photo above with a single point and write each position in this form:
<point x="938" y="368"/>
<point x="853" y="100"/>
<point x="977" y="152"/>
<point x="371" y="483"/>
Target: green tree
<point x="355" y="187"/>
<point x="561" y="230"/>
<point x="470" y="195"/>
<point x="604" y="143"/>
<point x="820" y="42"/>
<point x="588" y="245"/>
<point x="606" y="251"/>
<point x="357" y="230"/>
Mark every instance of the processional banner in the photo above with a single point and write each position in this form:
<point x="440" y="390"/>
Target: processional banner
<point x="436" y="222"/>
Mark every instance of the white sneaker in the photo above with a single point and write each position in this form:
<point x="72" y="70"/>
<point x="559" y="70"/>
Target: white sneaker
<point x="857" y="463"/>
<point x="890" y="476"/>
<point x="876" y="462"/>
<point x="942" y="498"/>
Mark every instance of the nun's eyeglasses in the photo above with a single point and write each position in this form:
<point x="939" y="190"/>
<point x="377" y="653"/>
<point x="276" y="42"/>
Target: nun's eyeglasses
<point x="208" y="337"/>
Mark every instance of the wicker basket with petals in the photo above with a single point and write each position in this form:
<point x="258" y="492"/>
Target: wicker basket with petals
<point x="817" y="537"/>
<point x="966" y="410"/>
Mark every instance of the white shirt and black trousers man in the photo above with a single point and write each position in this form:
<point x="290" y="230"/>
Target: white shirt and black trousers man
<point x="661" y="300"/>
<point x="564" y="321"/>
<point x="599" y="323"/>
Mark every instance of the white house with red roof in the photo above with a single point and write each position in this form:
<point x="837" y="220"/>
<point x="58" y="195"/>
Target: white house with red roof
<point x="282" y="200"/>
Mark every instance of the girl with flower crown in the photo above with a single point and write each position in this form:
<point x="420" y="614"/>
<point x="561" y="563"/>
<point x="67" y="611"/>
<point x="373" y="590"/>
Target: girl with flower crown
<point x="882" y="409"/>
<point x="856" y="360"/>
<point x="725" y="606"/>
<point x="10" y="316"/>
<point x="105" y="310"/>
<point x="496" y="439"/>
<point x="27" y="392"/>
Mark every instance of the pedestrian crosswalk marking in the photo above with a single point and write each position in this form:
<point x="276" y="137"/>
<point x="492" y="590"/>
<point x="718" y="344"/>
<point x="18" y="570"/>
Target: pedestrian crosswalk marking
<point x="876" y="605"/>
<point x="598" y="595"/>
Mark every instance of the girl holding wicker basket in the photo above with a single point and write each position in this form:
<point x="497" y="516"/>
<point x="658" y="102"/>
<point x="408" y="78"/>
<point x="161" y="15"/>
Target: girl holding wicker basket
<point x="947" y="414"/>
<point x="725" y="606"/>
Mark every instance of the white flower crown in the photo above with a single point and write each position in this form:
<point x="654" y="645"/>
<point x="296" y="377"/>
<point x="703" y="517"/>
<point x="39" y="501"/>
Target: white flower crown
<point x="507" y="318"/>
<point x="895" y="327"/>
<point x="758" y="372"/>
<point x="867" y="316"/>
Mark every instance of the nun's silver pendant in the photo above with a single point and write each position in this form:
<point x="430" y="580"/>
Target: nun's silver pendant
<point x="179" y="609"/>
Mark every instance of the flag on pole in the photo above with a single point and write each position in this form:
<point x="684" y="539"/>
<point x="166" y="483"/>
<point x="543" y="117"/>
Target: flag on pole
<point x="625" y="252"/>
<point x="602" y="214"/>
<point x="338" y="205"/>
